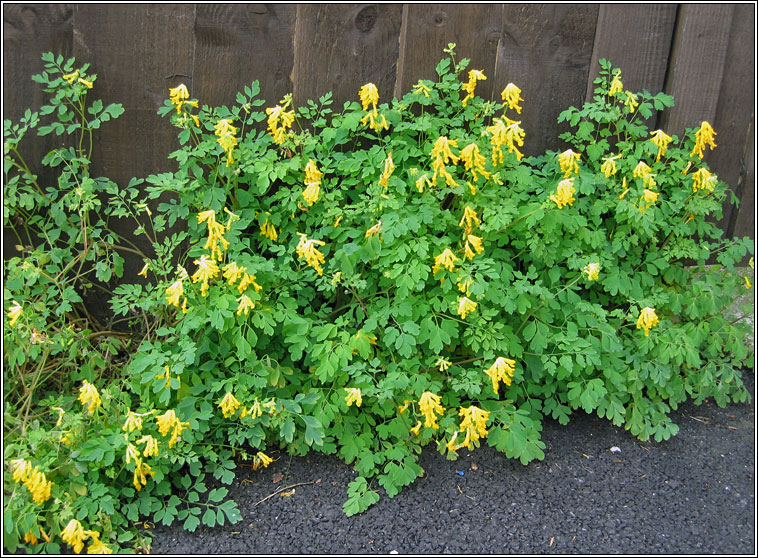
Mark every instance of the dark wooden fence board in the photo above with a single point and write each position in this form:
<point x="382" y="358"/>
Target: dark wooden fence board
<point x="229" y="41"/>
<point x="546" y="50"/>
<point x="340" y="47"/>
<point x="427" y="30"/>
<point x="636" y="40"/>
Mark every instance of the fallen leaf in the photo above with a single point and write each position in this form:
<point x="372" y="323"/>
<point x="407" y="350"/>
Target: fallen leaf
<point x="552" y="540"/>
<point x="615" y="449"/>
<point x="277" y="477"/>
<point x="474" y="467"/>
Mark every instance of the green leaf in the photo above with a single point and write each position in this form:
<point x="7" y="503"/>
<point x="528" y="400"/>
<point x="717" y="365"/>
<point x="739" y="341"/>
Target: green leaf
<point x="360" y="498"/>
<point x="209" y="517"/>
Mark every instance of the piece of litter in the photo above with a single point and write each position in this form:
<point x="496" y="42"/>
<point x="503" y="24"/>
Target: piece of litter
<point x="287" y="494"/>
<point x="393" y="551"/>
<point x="460" y="473"/>
<point x="615" y="449"/>
<point x="474" y="467"/>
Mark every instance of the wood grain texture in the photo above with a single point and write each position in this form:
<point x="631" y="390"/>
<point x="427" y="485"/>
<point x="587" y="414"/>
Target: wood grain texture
<point x="697" y="65"/>
<point x="546" y="51"/>
<point x="236" y="44"/>
<point x="427" y="30"/>
<point x="637" y="39"/>
<point x="340" y="47"/>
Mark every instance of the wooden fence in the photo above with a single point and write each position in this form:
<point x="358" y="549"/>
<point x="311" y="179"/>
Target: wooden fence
<point x="703" y="54"/>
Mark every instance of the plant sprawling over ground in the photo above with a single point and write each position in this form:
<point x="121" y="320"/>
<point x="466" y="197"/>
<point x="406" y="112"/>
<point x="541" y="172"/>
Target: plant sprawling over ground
<point x="361" y="282"/>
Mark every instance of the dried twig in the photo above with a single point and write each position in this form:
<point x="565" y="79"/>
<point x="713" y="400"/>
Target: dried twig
<point x="282" y="489"/>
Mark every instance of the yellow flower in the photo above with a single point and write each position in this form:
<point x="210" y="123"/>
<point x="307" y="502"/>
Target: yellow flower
<point x="376" y="229"/>
<point x="641" y="170"/>
<point x="389" y="166"/>
<point x="650" y="196"/>
<point x="464" y="286"/>
<point x="307" y="250"/>
<point x="151" y="445"/>
<point x="443" y="364"/>
<point x="169" y="421"/>
<point x="73" y="535"/>
<point x="353" y="396"/>
<point x="470" y="85"/>
<point x="505" y="132"/>
<point x="132" y="453"/>
<point x="747" y="282"/>
<point x="215" y="233"/>
<point x="70" y="78"/>
<point x="564" y="193"/>
<point x="255" y="410"/>
<point x="502" y="369"/>
<point x="269" y="231"/>
<point x="14" y="313"/>
<point x="226" y="132"/>
<point x="465" y="306"/>
<point x="661" y="140"/>
<point x="178" y="96"/>
<point x="89" y="396"/>
<point x="705" y="136"/>
<point x="476" y="243"/>
<point x="30" y="537"/>
<point x="446" y="259"/>
<point x="416" y="428"/>
<point x="474" y="161"/>
<point x="143" y="273"/>
<point x="369" y="95"/>
<point x="261" y="460"/>
<point x="85" y="82"/>
<point x="278" y="122"/>
<point x="38" y="485"/>
<point x="512" y="95"/>
<point x="248" y="280"/>
<point x="474" y="424"/>
<point x="592" y="271"/>
<point x="245" y="305"/>
<point x="229" y="405"/>
<point x="469" y="220"/>
<point x="451" y="444"/>
<point x="97" y="546"/>
<point x="420" y="88"/>
<point x="141" y="470"/>
<point x="421" y="181"/>
<point x="429" y="404"/>
<point x="609" y="166"/>
<point x="206" y="270"/>
<point x="702" y="179"/>
<point x="312" y="182"/>
<point x="375" y="122"/>
<point x="631" y="101"/>
<point x="616" y="85"/>
<point x="232" y="272"/>
<point x="441" y="155"/>
<point x="21" y="469"/>
<point x="568" y="162"/>
<point x="174" y="292"/>
<point x="647" y="319"/>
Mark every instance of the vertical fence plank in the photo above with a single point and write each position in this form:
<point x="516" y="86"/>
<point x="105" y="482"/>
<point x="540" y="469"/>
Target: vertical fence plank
<point x="427" y="30"/>
<point x="734" y="120"/>
<point x="697" y="65"/>
<point x="236" y="44"/>
<point x="637" y="39"/>
<point x="340" y="47"/>
<point x="743" y="221"/>
<point x="546" y="51"/>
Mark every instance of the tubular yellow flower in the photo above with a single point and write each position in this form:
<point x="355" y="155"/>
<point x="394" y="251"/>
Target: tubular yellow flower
<point x="255" y="410"/>
<point x="421" y="181"/>
<point x="232" y="272"/>
<point x="174" y="292"/>
<point x="647" y="319"/>
<point x="474" y="161"/>
<point x="261" y="460"/>
<point x="501" y="370"/>
<point x="701" y="180"/>
<point x="151" y="445"/>
<point x="464" y="286"/>
<point x="747" y="282"/>
<point x="245" y="305"/>
<point x="229" y="405"/>
<point x="169" y="421"/>
<point x="465" y="306"/>
<point x="178" y="96"/>
<point x="443" y="364"/>
<point x="143" y="273"/>
<point x="369" y="95"/>
<point x="469" y="220"/>
<point x="609" y="166"/>
<point x="311" y="193"/>
<point x="215" y="233"/>
<point x="416" y="428"/>
<point x="568" y="162"/>
<point x="226" y="132"/>
<point x="650" y="196"/>
<point x="512" y="95"/>
<point x="592" y="271"/>
<point x="705" y="136"/>
<point x="474" y="424"/>
<point x="429" y="404"/>
<point x="631" y="101"/>
<point x="141" y="470"/>
<point x="505" y="132"/>
<point x="446" y="259"/>
<point x="14" y="313"/>
<point x="30" y="538"/>
<point x="132" y="453"/>
<point x="376" y="121"/>
<point x="389" y="166"/>
<point x="420" y="88"/>
<point x="641" y="170"/>
<point x="307" y="250"/>
<point x="353" y="396"/>
<point x="616" y="85"/>
<point x="564" y="193"/>
<point x="71" y="78"/>
<point x="269" y="231"/>
<point x="39" y="486"/>
<point x="451" y="445"/>
<point x="278" y="122"/>
<point x="376" y="229"/>
<point x="476" y="243"/>
<point x="89" y="396"/>
<point x="312" y="182"/>
<point x="661" y="141"/>
<point x="442" y="150"/>
<point x="206" y="270"/>
<point x="470" y="85"/>
<point x="97" y="546"/>
<point x="248" y="280"/>
<point x="73" y="535"/>
<point x="21" y="470"/>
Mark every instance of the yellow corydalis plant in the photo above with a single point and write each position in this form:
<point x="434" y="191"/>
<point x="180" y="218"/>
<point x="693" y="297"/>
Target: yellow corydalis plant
<point x="469" y="220"/>
<point x="421" y="89"/>
<point x="704" y="137"/>
<point x="32" y="478"/>
<point x="245" y="305"/>
<point x="568" y="161"/>
<point x="474" y="161"/>
<point x="512" y="96"/>
<point x="312" y="182"/>
<point x="472" y="246"/>
<point x="74" y="76"/>
<point x="473" y="77"/>
<point x="647" y="319"/>
<point x="661" y="140"/>
<point x="592" y="271"/>
<point x="226" y="132"/>
<point x="269" y="231"/>
<point x="261" y="460"/>
<point x="631" y="102"/>
<point x="430" y="406"/>
<point x="564" y="193"/>
<point x="441" y="155"/>
<point x="501" y="370"/>
<point x="229" y="405"/>
<point x="307" y="250"/>
<point x="617" y="86"/>
<point x="374" y="230"/>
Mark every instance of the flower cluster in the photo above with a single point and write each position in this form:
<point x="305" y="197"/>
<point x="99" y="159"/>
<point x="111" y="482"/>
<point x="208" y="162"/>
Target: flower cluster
<point x="704" y="137"/>
<point x="89" y="396"/>
<point x="647" y="320"/>
<point x="369" y="96"/>
<point x="307" y="250"/>
<point x="280" y="120"/>
<point x="75" y="535"/>
<point x="32" y="478"/>
<point x="312" y="182"/>
<point x="508" y="133"/>
<point x="226" y="132"/>
<point x="473" y="423"/>
<point x="441" y="155"/>
<point x="470" y="85"/>
<point x="429" y="404"/>
<point x="564" y="193"/>
<point x="501" y="370"/>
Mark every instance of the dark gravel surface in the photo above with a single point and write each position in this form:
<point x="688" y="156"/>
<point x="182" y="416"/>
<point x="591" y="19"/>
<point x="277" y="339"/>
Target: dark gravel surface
<point x="692" y="494"/>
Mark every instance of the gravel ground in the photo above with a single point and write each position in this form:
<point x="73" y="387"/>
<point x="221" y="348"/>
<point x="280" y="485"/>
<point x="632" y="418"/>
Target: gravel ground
<point x="599" y="490"/>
